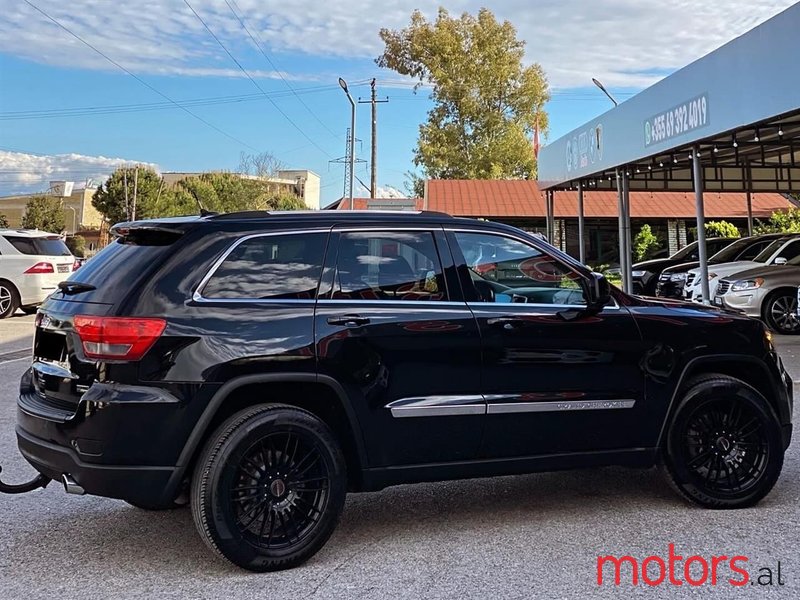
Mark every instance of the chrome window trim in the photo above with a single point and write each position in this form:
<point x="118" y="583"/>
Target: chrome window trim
<point x="390" y="302"/>
<point x="197" y="296"/>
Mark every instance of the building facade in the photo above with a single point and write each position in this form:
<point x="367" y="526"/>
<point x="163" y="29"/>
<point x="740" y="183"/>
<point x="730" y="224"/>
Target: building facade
<point x="79" y="212"/>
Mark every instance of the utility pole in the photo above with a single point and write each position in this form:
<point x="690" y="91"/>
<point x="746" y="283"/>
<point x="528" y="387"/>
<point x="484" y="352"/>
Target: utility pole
<point x="125" y="183"/>
<point x="373" y="183"/>
<point x="135" y="189"/>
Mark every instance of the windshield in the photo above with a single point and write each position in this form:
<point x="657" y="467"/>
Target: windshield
<point x="689" y="251"/>
<point x="731" y="252"/>
<point x="767" y="252"/>
<point x="39" y="246"/>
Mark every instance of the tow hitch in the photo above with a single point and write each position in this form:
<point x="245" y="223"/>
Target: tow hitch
<point x="40" y="481"/>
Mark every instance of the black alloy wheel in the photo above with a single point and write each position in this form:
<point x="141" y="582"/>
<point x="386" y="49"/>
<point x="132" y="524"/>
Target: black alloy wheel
<point x="724" y="448"/>
<point x="270" y="488"/>
<point x="781" y="313"/>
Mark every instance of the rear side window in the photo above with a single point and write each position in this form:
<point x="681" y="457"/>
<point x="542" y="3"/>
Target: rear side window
<point x="39" y="246"/>
<point x="385" y="265"/>
<point x="270" y="267"/>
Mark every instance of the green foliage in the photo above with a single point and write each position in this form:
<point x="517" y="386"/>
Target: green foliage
<point x="45" y="213"/>
<point x="110" y="198"/>
<point x="722" y="229"/>
<point x="226" y="192"/>
<point x="781" y="221"/>
<point x="3" y="221"/>
<point x="644" y="242"/>
<point x="486" y="103"/>
<point x="76" y="245"/>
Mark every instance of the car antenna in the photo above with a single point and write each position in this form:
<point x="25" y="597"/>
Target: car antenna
<point x="203" y="211"/>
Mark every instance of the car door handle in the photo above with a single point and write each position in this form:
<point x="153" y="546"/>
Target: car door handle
<point x="348" y="320"/>
<point x="506" y="322"/>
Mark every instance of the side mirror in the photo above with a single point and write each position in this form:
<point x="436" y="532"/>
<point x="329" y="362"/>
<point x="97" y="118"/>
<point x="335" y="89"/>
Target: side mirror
<point x="780" y="261"/>
<point x="598" y="292"/>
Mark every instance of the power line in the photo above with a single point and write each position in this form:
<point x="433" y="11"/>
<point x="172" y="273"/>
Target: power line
<point x="137" y="78"/>
<point x="255" y="83"/>
<point x="258" y="44"/>
<point x="150" y="106"/>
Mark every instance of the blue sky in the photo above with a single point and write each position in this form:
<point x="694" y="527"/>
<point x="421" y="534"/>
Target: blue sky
<point x="628" y="44"/>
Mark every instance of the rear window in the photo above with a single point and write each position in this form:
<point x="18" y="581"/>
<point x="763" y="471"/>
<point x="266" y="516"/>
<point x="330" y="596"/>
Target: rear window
<point x="39" y="246"/>
<point x="270" y="267"/>
<point x="115" y="269"/>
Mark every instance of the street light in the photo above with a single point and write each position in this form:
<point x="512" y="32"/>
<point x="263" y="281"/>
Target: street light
<point x="605" y="91"/>
<point x="343" y="85"/>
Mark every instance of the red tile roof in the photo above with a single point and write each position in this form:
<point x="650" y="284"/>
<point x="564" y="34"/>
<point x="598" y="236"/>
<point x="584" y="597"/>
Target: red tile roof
<point x="485" y="198"/>
<point x="523" y="199"/>
<point x="519" y="198"/>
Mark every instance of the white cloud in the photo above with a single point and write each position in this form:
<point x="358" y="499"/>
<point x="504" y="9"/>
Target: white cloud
<point x="27" y="173"/>
<point x="623" y="42"/>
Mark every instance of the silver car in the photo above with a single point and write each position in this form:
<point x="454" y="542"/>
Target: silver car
<point x="765" y="292"/>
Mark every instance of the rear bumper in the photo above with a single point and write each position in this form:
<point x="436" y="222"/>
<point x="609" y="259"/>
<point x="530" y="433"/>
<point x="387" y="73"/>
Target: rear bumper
<point x="141" y="484"/>
<point x="118" y="441"/>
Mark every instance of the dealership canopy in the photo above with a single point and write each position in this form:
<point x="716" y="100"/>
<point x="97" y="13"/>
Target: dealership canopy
<point x="729" y="121"/>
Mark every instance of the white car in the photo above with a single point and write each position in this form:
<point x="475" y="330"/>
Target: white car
<point x="32" y="263"/>
<point x="778" y="252"/>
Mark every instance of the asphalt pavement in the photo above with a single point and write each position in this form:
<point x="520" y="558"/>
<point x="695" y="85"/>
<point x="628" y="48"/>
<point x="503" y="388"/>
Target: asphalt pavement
<point x="533" y="536"/>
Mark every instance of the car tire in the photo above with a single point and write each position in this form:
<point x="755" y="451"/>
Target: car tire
<point x="9" y="299"/>
<point x="780" y="313"/>
<point x="269" y="487"/>
<point x="723" y="447"/>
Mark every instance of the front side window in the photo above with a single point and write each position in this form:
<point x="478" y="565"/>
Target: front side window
<point x="374" y="265"/>
<point x="790" y="250"/>
<point x="270" y="267"/>
<point x="506" y="270"/>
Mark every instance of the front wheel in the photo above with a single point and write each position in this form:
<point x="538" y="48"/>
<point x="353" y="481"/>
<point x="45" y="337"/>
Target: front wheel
<point x="780" y="312"/>
<point x="724" y="447"/>
<point x="269" y="487"/>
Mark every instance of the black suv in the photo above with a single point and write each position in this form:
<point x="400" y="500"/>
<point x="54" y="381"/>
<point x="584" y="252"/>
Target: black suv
<point x="259" y="365"/>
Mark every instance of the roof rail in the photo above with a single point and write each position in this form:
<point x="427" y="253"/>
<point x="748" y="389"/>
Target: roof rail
<point x="265" y="214"/>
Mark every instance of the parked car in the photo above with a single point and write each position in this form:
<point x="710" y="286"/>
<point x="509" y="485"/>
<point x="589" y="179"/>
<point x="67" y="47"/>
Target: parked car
<point x="645" y="274"/>
<point x="766" y="292"/>
<point x="32" y="263"/>
<point x="260" y="365"/>
<point x="783" y="249"/>
<point x="672" y="281"/>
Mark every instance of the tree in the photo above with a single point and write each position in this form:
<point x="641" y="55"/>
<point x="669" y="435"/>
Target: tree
<point x="263" y="164"/>
<point x="76" y="245"/>
<point x="644" y="242"/>
<point x="722" y="229"/>
<point x="112" y="201"/>
<point x="3" y="221"/>
<point x="780" y="221"/>
<point x="486" y="103"/>
<point x="228" y="192"/>
<point x="45" y="213"/>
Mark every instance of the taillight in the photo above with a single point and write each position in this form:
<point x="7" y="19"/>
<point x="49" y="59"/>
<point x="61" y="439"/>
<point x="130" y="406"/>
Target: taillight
<point x="41" y="267"/>
<point x="117" y="338"/>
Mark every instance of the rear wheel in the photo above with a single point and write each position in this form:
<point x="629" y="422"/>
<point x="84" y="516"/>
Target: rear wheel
<point x="269" y="488"/>
<point x="780" y="312"/>
<point x="724" y="446"/>
<point x="9" y="299"/>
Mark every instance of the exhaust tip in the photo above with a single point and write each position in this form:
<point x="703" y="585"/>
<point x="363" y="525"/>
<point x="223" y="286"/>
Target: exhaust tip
<point x="71" y="486"/>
